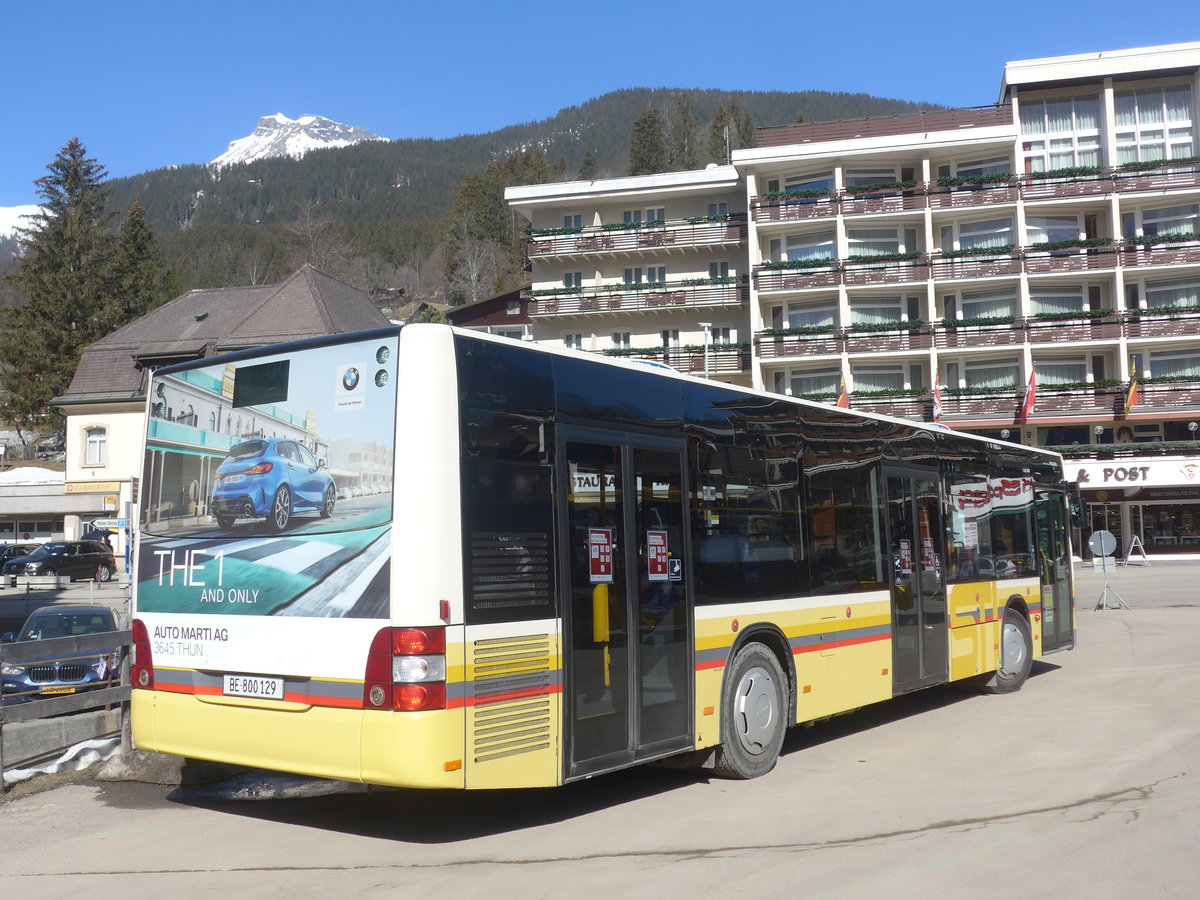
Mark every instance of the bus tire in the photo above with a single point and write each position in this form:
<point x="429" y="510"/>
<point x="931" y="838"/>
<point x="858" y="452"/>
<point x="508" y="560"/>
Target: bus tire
<point x="281" y="509"/>
<point x="1016" y="654"/>
<point x="754" y="705"/>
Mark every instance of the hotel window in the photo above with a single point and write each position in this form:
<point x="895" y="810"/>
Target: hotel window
<point x="1056" y="300"/>
<point x="881" y="241"/>
<point x="878" y="378"/>
<point x="1060" y="133"/>
<point x="656" y="274"/>
<point x="1168" y="220"/>
<point x="1063" y="370"/>
<point x="718" y="209"/>
<point x="1051" y="229"/>
<point x="633" y="275"/>
<point x="817" y="181"/>
<point x="876" y="311"/>
<point x="860" y="177"/>
<point x="631" y="216"/>
<point x="996" y="374"/>
<point x="97" y="446"/>
<point x="987" y="304"/>
<point x="573" y="280"/>
<point x="1174" y="364"/>
<point x="811" y="382"/>
<point x="720" y="335"/>
<point x="573" y="221"/>
<point x="513" y="308"/>
<point x="670" y="338"/>
<point x="620" y="340"/>
<point x="996" y="165"/>
<point x="992" y="233"/>
<point x="718" y="270"/>
<point x="1154" y="123"/>
<point x="804" y="247"/>
<point x="822" y="314"/>
<point x="1181" y="293"/>
<point x="573" y="341"/>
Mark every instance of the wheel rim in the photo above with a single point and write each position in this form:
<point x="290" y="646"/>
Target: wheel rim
<point x="282" y="508"/>
<point x="329" y="499"/>
<point x="1012" y="647"/>
<point x="756" y="710"/>
<point x="102" y="573"/>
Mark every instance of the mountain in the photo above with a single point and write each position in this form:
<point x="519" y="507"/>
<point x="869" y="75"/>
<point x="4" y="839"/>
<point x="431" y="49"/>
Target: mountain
<point x="278" y="135"/>
<point x="12" y="218"/>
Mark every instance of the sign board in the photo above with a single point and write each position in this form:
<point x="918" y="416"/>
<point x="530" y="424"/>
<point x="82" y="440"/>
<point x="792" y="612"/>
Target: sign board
<point x="600" y="555"/>
<point x="1102" y="543"/>
<point x="92" y="487"/>
<point x="656" y="555"/>
<point x="101" y="524"/>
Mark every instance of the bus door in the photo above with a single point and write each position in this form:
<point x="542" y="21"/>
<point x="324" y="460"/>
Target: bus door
<point x="1054" y="564"/>
<point x="920" y="641"/>
<point x="628" y="637"/>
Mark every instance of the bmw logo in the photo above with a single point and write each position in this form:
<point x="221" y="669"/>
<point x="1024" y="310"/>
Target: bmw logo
<point x="350" y="379"/>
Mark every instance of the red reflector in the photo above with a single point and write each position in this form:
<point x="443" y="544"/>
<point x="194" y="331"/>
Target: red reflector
<point x="419" y="641"/>
<point x="416" y="697"/>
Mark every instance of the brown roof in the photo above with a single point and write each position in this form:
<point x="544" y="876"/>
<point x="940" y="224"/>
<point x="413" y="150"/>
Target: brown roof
<point x="206" y="322"/>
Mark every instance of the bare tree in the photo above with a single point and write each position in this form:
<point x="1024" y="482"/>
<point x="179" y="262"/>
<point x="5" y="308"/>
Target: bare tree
<point x="317" y="240"/>
<point x="478" y="267"/>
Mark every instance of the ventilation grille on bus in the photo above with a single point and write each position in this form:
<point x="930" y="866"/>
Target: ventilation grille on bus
<point x="514" y="679"/>
<point x="509" y="568"/>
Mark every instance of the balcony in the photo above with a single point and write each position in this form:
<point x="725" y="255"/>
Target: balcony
<point x="779" y="208"/>
<point x="625" y="298"/>
<point x="970" y="195"/>
<point x="668" y="235"/>
<point x="1133" y="254"/>
<point x="772" y="344"/>
<point x="723" y="359"/>
<point x="1079" y="259"/>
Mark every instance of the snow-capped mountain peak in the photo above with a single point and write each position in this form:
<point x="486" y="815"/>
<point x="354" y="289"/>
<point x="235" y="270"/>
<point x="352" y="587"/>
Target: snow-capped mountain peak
<point x="278" y="135"/>
<point x="14" y="217"/>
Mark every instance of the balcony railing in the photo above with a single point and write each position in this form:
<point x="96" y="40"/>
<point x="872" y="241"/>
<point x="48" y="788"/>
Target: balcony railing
<point x="722" y="360"/>
<point x="873" y="126"/>
<point x="777" y="207"/>
<point x="623" y="298"/>
<point x="669" y="234"/>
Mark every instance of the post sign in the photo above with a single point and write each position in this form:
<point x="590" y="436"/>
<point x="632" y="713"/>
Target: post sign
<point x="600" y="555"/>
<point x="656" y="555"/>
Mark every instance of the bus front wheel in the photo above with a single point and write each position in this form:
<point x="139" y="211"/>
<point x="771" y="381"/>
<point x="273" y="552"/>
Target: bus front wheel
<point x="1016" y="654"/>
<point x="753" y="711"/>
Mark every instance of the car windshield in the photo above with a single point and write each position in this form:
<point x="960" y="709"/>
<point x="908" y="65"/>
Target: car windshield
<point x="247" y="450"/>
<point x="42" y="627"/>
<point x="52" y="549"/>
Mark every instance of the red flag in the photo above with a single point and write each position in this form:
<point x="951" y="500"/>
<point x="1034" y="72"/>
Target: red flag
<point x="1132" y="397"/>
<point x="937" y="398"/>
<point x="844" y="396"/>
<point x="1028" y="400"/>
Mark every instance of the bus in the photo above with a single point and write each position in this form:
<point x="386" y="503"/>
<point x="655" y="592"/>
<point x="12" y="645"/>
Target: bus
<point x="428" y="557"/>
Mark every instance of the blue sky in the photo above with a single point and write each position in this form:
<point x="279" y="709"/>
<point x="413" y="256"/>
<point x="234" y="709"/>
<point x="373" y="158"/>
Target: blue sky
<point x="149" y="84"/>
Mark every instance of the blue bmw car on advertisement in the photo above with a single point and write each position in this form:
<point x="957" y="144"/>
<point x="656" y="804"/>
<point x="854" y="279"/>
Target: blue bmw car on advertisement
<point x="271" y="479"/>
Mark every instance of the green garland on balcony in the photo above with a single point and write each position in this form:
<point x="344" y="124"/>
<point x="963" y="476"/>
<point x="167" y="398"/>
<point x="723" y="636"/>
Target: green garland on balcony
<point x="1108" y="451"/>
<point x="1066" y="172"/>
<point x="883" y="257"/>
<point x="808" y="194"/>
<point x="982" y="392"/>
<point x="699" y="220"/>
<point x="634" y="351"/>
<point x="1049" y="246"/>
<point x="889" y="392"/>
<point x="1167" y="237"/>
<point x="1168" y="311"/>
<point x="1078" y="385"/>
<point x="904" y="325"/>
<point x="1158" y="164"/>
<point x="550" y="232"/>
<point x="799" y="263"/>
<point x="1169" y="379"/>
<point x="1067" y="316"/>
<point x="631" y="226"/>
<point x="957" y="180"/>
<point x="1000" y="250"/>
<point x="721" y="279"/>
<point x="802" y="330"/>
<point x="881" y="186"/>
<point x="973" y="321"/>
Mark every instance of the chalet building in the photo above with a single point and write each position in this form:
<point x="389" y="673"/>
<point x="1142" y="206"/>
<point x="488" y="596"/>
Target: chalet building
<point x="1036" y="261"/>
<point x="105" y="405"/>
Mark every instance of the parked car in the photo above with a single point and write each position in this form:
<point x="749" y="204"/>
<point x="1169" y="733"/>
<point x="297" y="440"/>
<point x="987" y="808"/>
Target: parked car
<point x="271" y="479"/>
<point x="77" y="559"/>
<point x="12" y="551"/>
<point x="20" y="682"/>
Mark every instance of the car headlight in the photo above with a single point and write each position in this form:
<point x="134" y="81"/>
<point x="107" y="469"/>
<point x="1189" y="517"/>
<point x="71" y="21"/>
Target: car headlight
<point x="10" y="669"/>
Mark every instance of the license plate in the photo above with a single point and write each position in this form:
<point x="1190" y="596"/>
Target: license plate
<point x="254" y="686"/>
<point x="58" y="690"/>
<point x="233" y="479"/>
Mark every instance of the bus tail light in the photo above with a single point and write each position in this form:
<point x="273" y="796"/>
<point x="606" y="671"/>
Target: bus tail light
<point x="141" y="667"/>
<point x="406" y="670"/>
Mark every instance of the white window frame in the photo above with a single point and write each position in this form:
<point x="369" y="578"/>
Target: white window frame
<point x="573" y="281"/>
<point x="897" y="372"/>
<point x="831" y="374"/>
<point x="1158" y="357"/>
<point x="1007" y="362"/>
<point x="720" y="208"/>
<point x="1144" y="128"/>
<point x="1163" y="220"/>
<point x="573" y="341"/>
<point x="970" y="298"/>
<point x="896" y="305"/>
<point x="1081" y="364"/>
<point x="783" y="248"/>
<point x="670" y="338"/>
<point x="621" y="340"/>
<point x="718" y="269"/>
<point x="955" y="232"/>
<point x="870" y="175"/>
<point x="1049" y="229"/>
<point x="1044" y="149"/>
<point x="810" y="181"/>
<point x="794" y="314"/>
<point x="573" y="220"/>
<point x="1191" y="282"/>
<point x="991" y="165"/>
<point x="1042" y="293"/>
<point x="900" y="240"/>
<point x="95" y="438"/>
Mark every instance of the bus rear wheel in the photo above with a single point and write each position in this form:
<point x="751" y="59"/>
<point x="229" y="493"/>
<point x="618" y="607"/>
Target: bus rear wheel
<point x="1016" y="655"/>
<point x="753" y="711"/>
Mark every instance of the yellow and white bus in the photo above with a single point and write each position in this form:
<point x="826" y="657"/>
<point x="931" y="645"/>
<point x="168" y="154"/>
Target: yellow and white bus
<point x="428" y="557"/>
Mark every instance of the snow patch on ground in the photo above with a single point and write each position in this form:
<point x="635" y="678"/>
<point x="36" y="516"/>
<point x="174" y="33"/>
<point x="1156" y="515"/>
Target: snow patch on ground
<point x="81" y="756"/>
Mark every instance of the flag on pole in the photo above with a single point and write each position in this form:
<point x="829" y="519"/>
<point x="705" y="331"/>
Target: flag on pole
<point x="1132" y="397"/>
<point x="937" y="398"/>
<point x="1028" y="400"/>
<point x="844" y="395"/>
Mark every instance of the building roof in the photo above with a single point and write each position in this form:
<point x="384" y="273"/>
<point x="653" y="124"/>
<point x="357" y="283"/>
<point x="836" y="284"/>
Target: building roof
<point x="202" y="323"/>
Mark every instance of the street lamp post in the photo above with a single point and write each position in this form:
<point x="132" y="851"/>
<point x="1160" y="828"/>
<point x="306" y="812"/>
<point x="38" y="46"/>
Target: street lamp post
<point x="707" y="326"/>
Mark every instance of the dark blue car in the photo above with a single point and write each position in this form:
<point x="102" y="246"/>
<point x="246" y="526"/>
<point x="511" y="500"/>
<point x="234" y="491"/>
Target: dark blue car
<point x="271" y="479"/>
<point x="21" y="682"/>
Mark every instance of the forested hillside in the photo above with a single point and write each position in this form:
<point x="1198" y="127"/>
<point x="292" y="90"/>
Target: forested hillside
<point x="379" y="214"/>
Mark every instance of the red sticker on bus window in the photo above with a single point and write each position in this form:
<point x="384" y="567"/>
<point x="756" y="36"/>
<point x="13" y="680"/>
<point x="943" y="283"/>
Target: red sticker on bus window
<point x="656" y="555"/>
<point x="600" y="555"/>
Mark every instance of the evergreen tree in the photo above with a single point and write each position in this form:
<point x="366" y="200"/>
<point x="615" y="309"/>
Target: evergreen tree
<point x="648" y="144"/>
<point x="66" y="279"/>
<point x="720" y="136"/>
<point x="741" y="123"/>
<point x="141" y="280"/>
<point x="681" y="149"/>
<point x="589" y="167"/>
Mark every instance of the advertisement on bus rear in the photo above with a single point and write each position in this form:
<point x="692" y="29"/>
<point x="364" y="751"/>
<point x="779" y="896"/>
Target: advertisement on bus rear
<point x="267" y="487"/>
